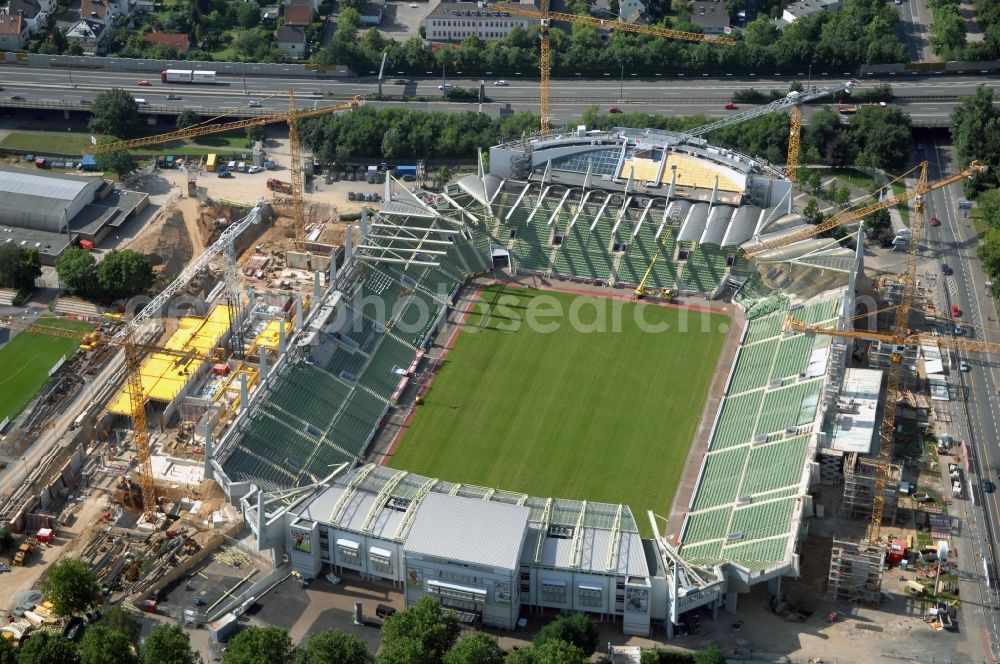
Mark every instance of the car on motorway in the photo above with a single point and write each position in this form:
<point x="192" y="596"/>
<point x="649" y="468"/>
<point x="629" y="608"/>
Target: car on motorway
<point x="225" y="174"/>
<point x="935" y="221"/>
<point x="963" y="366"/>
<point x="614" y="109"/>
<point x="400" y="81"/>
<point x="989" y="486"/>
<point x="173" y="97"/>
<point x="254" y="104"/>
<point x="946" y="270"/>
<point x="445" y="86"/>
<point x="959" y="331"/>
<point x="255" y="169"/>
<point x="500" y="84"/>
<point x="143" y="83"/>
<point x="730" y="106"/>
<point x="86" y="102"/>
<point x="16" y="98"/>
<point x="955" y="312"/>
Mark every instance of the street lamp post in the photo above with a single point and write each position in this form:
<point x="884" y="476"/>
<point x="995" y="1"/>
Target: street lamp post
<point x="621" y="86"/>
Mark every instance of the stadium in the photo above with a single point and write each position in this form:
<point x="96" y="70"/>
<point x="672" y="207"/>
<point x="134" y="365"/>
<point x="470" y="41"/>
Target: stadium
<point x="337" y="468"/>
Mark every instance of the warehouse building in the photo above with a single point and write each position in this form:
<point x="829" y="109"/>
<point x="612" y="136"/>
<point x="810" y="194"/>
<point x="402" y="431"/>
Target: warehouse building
<point x="49" y="211"/>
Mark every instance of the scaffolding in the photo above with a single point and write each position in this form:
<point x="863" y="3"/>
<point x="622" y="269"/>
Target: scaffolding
<point x="859" y="487"/>
<point x="856" y="570"/>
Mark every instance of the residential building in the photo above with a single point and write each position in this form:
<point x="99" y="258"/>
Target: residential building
<point x="292" y="40"/>
<point x="711" y="16"/>
<point x="89" y="34"/>
<point x="145" y="6"/>
<point x="630" y="11"/>
<point x="454" y="21"/>
<point x="371" y="12"/>
<point x="13" y="32"/>
<point x="181" y="43"/>
<point x="804" y="8"/>
<point x="312" y="4"/>
<point x="269" y="14"/>
<point x="298" y="13"/>
<point x="97" y="11"/>
<point x="34" y="12"/>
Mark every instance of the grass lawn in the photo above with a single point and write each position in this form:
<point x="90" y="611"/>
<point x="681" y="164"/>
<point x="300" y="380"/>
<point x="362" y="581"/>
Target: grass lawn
<point x="605" y="417"/>
<point x="77" y="143"/>
<point x="27" y="360"/>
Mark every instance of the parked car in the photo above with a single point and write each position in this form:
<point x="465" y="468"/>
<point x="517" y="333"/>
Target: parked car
<point x="963" y="366"/>
<point x="955" y="312"/>
<point x="225" y="174"/>
<point x="500" y="84"/>
<point x="959" y="331"/>
<point x="946" y="269"/>
<point x="730" y="106"/>
<point x="351" y="196"/>
<point x="255" y="169"/>
<point x="254" y="104"/>
<point x="989" y="486"/>
<point x="935" y="221"/>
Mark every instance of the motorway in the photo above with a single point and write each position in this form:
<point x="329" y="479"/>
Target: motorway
<point x="976" y="406"/>
<point x="928" y="99"/>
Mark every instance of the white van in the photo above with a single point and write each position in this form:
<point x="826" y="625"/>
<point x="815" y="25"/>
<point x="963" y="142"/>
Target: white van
<point x="231" y="166"/>
<point x="141" y="102"/>
<point x="242" y="168"/>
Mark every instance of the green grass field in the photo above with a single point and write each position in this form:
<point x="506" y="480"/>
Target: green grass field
<point x="26" y="361"/>
<point x="605" y="417"/>
<point x="78" y="143"/>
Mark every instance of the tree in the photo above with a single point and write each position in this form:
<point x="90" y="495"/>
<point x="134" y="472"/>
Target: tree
<point x="649" y="656"/>
<point x="841" y="196"/>
<point x="247" y="15"/>
<point x="124" y="622"/>
<point x="119" y="162"/>
<point x="405" y="650"/>
<point x="169" y="644"/>
<point x="442" y="177"/>
<point x="188" y="117"/>
<point x="19" y="267"/>
<point x="114" y="112"/>
<point x="332" y="646"/>
<point x="6" y="539"/>
<point x="989" y="252"/>
<point x="815" y="181"/>
<point x="711" y="655"/>
<point x="425" y="623"/>
<point x="259" y="645"/>
<point x="478" y="648"/>
<point x="255" y="133"/>
<point x="47" y="648"/>
<point x="124" y="273"/>
<point x="550" y="652"/>
<point x="102" y="645"/>
<point x="7" y="655"/>
<point x="988" y="203"/>
<point x="576" y="629"/>
<point x="811" y="209"/>
<point x="76" y="268"/>
<point x="71" y="586"/>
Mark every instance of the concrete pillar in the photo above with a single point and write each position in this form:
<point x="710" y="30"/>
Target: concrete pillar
<point x="788" y="198"/>
<point x="715" y="192"/>
<point x="731" y="602"/>
<point x="208" y="472"/>
<point x="673" y="182"/>
<point x="348" y="241"/>
<point x="298" y="311"/>
<point x="317" y="288"/>
<point x="244" y="391"/>
<point x="774" y="586"/>
<point x="282" y="342"/>
<point x="364" y="223"/>
<point x="263" y="363"/>
<point x="261" y="520"/>
<point x="333" y="267"/>
<point x="66" y="114"/>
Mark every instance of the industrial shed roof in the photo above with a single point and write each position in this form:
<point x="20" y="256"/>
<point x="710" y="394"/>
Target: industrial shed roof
<point x="27" y="191"/>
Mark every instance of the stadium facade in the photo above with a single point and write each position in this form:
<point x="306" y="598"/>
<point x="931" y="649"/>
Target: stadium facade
<point x="589" y="206"/>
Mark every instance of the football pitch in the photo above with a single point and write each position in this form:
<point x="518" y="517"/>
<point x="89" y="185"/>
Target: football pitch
<point x="605" y="416"/>
<point x="26" y="362"/>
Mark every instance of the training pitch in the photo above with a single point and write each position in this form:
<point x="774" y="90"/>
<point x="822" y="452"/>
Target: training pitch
<point x="26" y="362"/>
<point x="589" y="415"/>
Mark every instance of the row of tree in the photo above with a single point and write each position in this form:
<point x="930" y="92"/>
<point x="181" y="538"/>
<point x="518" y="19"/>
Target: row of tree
<point x="120" y="274"/>
<point x="948" y="30"/>
<point x="19" y="267"/>
<point x="863" y="32"/>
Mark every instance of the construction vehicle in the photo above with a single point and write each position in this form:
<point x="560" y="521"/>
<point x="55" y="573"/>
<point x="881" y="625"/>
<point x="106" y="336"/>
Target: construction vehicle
<point x="545" y="18"/>
<point x="900" y="335"/>
<point x="640" y="290"/>
<point x="275" y="184"/>
<point x="23" y="553"/>
<point x="857" y="214"/>
<point x="847" y="109"/>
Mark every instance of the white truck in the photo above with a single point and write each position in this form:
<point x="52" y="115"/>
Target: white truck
<point x="186" y="76"/>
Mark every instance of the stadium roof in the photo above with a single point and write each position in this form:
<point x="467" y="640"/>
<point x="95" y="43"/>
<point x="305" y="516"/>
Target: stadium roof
<point x="474" y="531"/>
<point x="24" y="191"/>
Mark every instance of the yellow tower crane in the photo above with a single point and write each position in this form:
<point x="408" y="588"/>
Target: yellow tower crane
<point x="292" y="116"/>
<point x="545" y="18"/>
<point x="794" y="134"/>
<point x="137" y="400"/>
<point x="900" y="335"/>
<point x="857" y="214"/>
